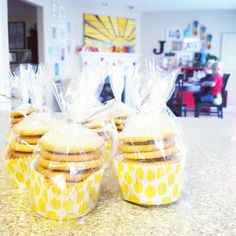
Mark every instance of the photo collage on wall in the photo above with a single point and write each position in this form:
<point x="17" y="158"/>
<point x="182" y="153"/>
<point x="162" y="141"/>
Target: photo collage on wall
<point x="185" y="42"/>
<point x="60" y="48"/>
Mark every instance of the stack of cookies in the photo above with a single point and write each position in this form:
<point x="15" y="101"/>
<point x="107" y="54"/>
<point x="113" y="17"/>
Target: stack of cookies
<point x="69" y="170"/>
<point x="120" y="122"/>
<point x="24" y="139"/>
<point x="103" y="128"/>
<point x="97" y="127"/>
<point x="18" y="115"/>
<point x="149" y="166"/>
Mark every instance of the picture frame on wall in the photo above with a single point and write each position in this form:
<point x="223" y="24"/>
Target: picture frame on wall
<point x="54" y="32"/>
<point x="174" y="34"/>
<point x="55" y="9"/>
<point x="122" y="37"/>
<point x="177" y="45"/>
<point x="192" y="44"/>
<point x="184" y="58"/>
<point x="62" y="14"/>
<point x="16" y="35"/>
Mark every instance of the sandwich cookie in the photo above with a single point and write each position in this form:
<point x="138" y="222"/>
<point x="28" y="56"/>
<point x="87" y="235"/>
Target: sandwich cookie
<point x="69" y="172"/>
<point x="149" y="167"/>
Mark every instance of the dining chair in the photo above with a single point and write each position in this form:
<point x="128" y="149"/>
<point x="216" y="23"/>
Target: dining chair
<point x="175" y="103"/>
<point x="208" y="105"/>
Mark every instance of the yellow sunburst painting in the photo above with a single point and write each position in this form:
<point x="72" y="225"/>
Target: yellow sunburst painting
<point x="105" y="32"/>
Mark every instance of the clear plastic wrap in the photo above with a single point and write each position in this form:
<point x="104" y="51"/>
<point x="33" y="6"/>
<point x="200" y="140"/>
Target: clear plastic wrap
<point x="22" y="142"/>
<point x="67" y="171"/>
<point x="82" y="105"/>
<point x="20" y="97"/>
<point x="149" y="154"/>
<point x="121" y="111"/>
<point x="28" y="91"/>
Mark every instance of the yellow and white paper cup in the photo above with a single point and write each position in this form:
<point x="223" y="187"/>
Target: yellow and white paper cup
<point x="156" y="183"/>
<point x="58" y="200"/>
<point x="19" y="172"/>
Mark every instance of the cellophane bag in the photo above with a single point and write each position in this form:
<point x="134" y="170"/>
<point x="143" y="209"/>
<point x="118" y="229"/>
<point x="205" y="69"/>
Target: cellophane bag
<point x="67" y="171"/>
<point x="81" y="103"/>
<point x="111" y="117"/>
<point x="22" y="143"/>
<point x="120" y="111"/>
<point x="149" y="153"/>
<point x="19" y="83"/>
<point x="29" y="89"/>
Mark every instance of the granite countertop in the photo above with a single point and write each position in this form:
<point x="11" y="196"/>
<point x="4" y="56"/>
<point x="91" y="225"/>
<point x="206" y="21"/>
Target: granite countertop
<point x="207" y="206"/>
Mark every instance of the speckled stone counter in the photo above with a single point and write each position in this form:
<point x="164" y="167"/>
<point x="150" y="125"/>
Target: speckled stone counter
<point x="207" y="206"/>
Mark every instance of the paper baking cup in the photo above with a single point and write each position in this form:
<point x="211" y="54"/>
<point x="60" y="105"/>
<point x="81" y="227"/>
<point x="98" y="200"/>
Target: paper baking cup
<point x="144" y="184"/>
<point x="19" y="172"/>
<point x="60" y="201"/>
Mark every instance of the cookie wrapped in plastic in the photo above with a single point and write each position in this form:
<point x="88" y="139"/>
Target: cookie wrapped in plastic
<point x="67" y="173"/>
<point x="82" y="105"/>
<point x="29" y="88"/>
<point x="120" y="110"/>
<point x="149" y="151"/>
<point x="22" y="143"/>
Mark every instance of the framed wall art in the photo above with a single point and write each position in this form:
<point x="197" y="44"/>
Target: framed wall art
<point x="174" y="34"/>
<point x="16" y="35"/>
<point x="105" y="32"/>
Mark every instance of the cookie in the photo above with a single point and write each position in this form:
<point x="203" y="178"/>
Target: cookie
<point x="16" y="120"/>
<point x="33" y="140"/>
<point x="15" y="154"/>
<point x="16" y="116"/>
<point x="70" y="166"/>
<point x="121" y="117"/>
<point x="150" y="155"/>
<point x="98" y="130"/>
<point x="21" y="113"/>
<point x="71" y="157"/>
<point x="146" y="138"/>
<point x="77" y="176"/>
<point x="120" y="126"/>
<point x="119" y="122"/>
<point x="93" y="125"/>
<point x="168" y="160"/>
<point x="20" y="147"/>
<point x="71" y="140"/>
<point x="147" y="146"/>
<point x="37" y="125"/>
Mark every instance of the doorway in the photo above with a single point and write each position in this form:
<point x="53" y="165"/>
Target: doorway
<point x="23" y="33"/>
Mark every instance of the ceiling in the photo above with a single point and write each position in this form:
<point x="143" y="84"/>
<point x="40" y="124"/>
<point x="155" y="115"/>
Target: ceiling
<point x="163" y="5"/>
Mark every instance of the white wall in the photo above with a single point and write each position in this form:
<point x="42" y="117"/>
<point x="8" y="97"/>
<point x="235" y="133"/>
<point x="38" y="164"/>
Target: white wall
<point x="74" y="13"/>
<point x="154" y="25"/>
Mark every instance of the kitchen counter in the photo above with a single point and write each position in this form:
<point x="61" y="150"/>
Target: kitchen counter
<point x="207" y="206"/>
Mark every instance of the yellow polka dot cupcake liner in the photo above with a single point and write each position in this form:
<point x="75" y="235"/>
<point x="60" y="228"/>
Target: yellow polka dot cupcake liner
<point x="148" y="184"/>
<point x="63" y="201"/>
<point x="19" y="172"/>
